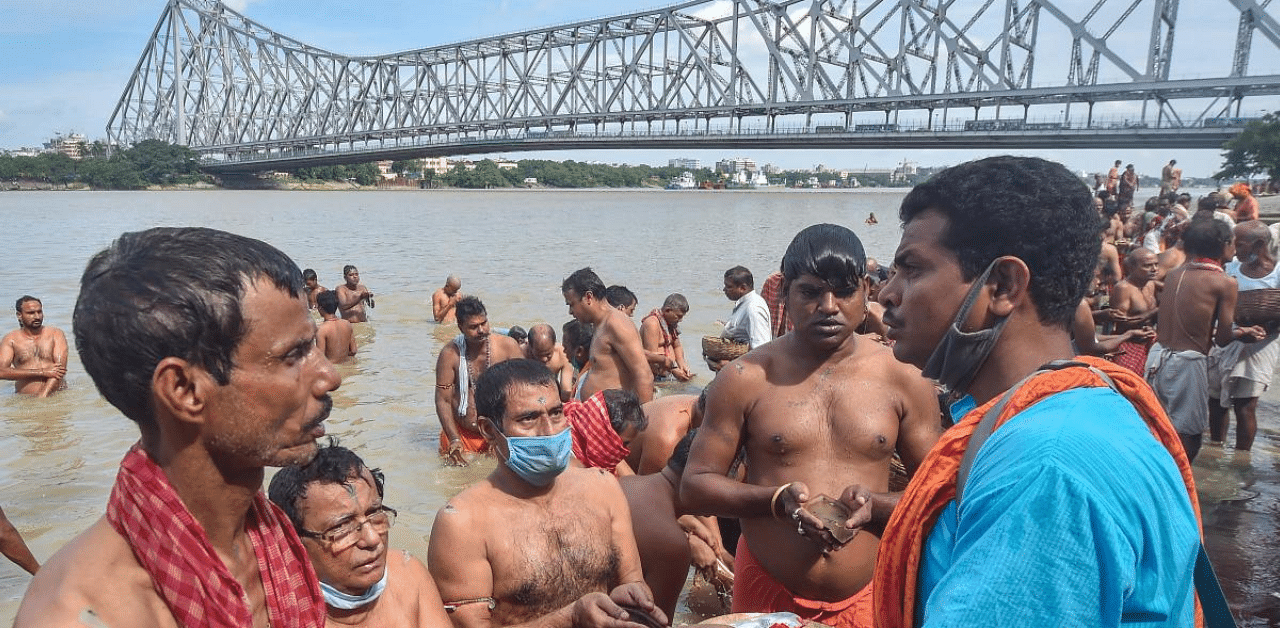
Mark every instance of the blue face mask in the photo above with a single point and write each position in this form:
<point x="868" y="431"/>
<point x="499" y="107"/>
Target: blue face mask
<point x="539" y="459"/>
<point x="338" y="599"/>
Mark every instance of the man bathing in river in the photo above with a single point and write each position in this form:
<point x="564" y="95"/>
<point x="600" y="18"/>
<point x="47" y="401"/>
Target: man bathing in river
<point x="460" y="364"/>
<point x="312" y="282"/>
<point x="617" y="357"/>
<point x="35" y="355"/>
<point x="335" y="336"/>
<point x="537" y="542"/>
<point x="445" y="299"/>
<point x="819" y="412"/>
<point x="353" y="296"/>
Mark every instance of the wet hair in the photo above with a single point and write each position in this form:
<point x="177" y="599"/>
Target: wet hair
<point x="23" y="299"/>
<point x="169" y="292"/>
<point x="619" y="296"/>
<point x="702" y="399"/>
<point x="680" y="456"/>
<point x="333" y="464"/>
<point x="348" y="268"/>
<point x="1117" y="162"/>
<point x="1026" y="207"/>
<point x="829" y="252"/>
<point x="624" y="410"/>
<point x="740" y="276"/>
<point x="517" y="333"/>
<point x="577" y="334"/>
<point x="327" y="302"/>
<point x="584" y="281"/>
<point x="1206" y="238"/>
<point x="677" y="302"/>
<point x="309" y="275"/>
<point x="493" y="385"/>
<point x="468" y="307"/>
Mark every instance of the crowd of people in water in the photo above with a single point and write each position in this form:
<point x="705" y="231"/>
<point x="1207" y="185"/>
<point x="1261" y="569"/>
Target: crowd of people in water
<point x="997" y="428"/>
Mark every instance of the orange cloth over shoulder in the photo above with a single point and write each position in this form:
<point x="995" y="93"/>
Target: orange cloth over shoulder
<point x="934" y="485"/>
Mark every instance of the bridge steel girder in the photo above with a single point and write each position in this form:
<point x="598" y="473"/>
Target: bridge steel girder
<point x="236" y="91"/>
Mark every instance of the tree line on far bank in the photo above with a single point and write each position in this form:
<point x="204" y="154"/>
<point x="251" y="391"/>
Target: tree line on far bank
<point x="150" y="162"/>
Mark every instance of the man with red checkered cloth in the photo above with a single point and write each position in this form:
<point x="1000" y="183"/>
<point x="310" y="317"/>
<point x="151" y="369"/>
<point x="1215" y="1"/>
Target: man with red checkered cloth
<point x="202" y="338"/>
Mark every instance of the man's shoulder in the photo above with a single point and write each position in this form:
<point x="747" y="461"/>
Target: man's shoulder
<point x="95" y="574"/>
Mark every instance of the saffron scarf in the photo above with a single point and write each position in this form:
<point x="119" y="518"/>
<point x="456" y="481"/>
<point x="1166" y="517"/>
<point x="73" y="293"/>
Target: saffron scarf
<point x="595" y="443"/>
<point x="934" y="485"/>
<point x="194" y="583"/>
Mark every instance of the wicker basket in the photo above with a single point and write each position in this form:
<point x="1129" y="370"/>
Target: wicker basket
<point x="718" y="348"/>
<point x="1258" y="306"/>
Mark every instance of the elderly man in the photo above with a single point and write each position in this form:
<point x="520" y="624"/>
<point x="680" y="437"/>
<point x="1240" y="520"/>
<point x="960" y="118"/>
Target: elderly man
<point x="617" y="356"/>
<point x="1253" y="269"/>
<point x="35" y="355"/>
<point x="819" y="413"/>
<point x="445" y="299"/>
<point x="460" y="364"/>
<point x="1134" y="306"/>
<point x="335" y="504"/>
<point x="203" y="338"/>
<point x="542" y="347"/>
<point x="1079" y="510"/>
<point x="660" y="335"/>
<point x="536" y="543"/>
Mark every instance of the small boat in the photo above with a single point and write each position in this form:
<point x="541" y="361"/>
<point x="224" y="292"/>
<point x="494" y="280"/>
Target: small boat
<point x="683" y="182"/>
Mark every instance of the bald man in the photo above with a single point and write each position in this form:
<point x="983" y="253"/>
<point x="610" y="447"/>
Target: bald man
<point x="444" y="300"/>
<point x="542" y="346"/>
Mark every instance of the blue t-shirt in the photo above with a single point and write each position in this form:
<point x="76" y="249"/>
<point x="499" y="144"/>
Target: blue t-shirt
<point x="1073" y="515"/>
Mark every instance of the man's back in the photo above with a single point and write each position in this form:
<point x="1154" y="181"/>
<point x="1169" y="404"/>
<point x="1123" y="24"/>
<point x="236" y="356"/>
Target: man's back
<point x="1198" y="297"/>
<point x="663" y="546"/>
<point x="336" y="338"/>
<point x="669" y="420"/>
<point x="614" y="350"/>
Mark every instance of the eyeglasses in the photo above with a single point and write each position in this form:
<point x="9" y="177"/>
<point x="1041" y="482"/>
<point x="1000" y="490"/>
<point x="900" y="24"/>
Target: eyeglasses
<point x="343" y="536"/>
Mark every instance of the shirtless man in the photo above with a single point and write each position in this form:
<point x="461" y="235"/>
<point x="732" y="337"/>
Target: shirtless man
<point x="660" y="335"/>
<point x="353" y="296"/>
<point x="34" y="356"/>
<point x="445" y="299"/>
<point x="335" y="336"/>
<point x="1170" y="177"/>
<point x="670" y="418"/>
<point x="617" y="356"/>
<point x="1133" y="306"/>
<point x="312" y="282"/>
<point x="335" y="505"/>
<point x="819" y="411"/>
<point x="1196" y="312"/>
<point x="460" y="364"/>
<point x="536" y="543"/>
<point x="1113" y="178"/>
<point x="542" y="347"/>
<point x="221" y="374"/>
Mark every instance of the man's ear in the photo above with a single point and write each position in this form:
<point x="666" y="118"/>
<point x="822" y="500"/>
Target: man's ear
<point x="181" y="389"/>
<point x="1011" y="279"/>
<point x="487" y="429"/>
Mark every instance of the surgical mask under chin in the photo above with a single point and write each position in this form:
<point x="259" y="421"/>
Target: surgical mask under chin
<point x="539" y="459"/>
<point x="960" y="354"/>
<point x="337" y="599"/>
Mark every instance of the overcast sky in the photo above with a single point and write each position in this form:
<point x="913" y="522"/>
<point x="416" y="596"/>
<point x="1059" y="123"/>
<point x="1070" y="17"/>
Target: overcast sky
<point x="64" y="63"/>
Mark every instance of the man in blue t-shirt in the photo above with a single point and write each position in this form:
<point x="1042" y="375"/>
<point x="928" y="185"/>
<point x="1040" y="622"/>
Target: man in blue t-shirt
<point x="1077" y="510"/>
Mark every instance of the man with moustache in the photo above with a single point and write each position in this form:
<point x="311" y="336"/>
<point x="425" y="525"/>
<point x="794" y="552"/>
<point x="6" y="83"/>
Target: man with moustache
<point x="335" y="505"/>
<point x="459" y="366"/>
<point x="820" y="413"/>
<point x="1080" y="508"/>
<point x="203" y="338"/>
<point x="34" y="356"/>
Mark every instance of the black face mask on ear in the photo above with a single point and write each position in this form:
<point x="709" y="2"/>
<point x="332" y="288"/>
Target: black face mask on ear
<point x="960" y="354"/>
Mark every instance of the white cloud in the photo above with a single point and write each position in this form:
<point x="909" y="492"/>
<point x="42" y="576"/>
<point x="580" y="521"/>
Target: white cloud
<point x="238" y="5"/>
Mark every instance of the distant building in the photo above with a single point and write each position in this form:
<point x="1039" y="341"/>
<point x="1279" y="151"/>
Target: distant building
<point x="736" y="164"/>
<point x="438" y="165"/>
<point x="504" y="164"/>
<point x="685" y="163"/>
<point x="771" y="169"/>
<point x="384" y="169"/>
<point x="71" y="145"/>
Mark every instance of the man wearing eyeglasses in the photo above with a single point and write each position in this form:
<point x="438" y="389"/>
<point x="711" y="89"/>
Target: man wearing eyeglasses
<point x="335" y="504"/>
<point x="536" y="543"/>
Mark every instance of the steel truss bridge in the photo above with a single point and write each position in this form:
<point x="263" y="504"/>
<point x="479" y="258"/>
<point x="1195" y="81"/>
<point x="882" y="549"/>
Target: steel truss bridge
<point x="713" y="74"/>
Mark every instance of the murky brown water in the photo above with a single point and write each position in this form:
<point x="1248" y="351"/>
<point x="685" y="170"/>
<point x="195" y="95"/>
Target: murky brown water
<point x="512" y="248"/>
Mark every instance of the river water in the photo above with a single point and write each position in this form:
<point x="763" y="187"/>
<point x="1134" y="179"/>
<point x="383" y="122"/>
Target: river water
<point x="511" y="248"/>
